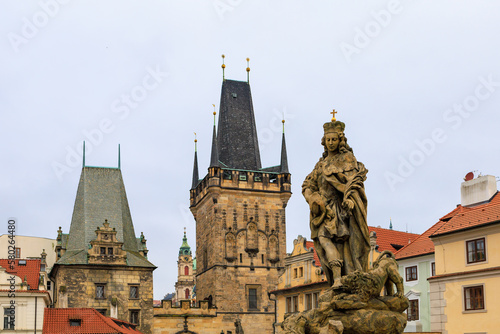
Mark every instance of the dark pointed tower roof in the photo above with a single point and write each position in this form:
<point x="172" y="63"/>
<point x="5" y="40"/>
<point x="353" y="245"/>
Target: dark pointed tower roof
<point x="101" y="196"/>
<point x="214" y="157"/>
<point x="238" y="146"/>
<point x="284" y="159"/>
<point x="196" y="177"/>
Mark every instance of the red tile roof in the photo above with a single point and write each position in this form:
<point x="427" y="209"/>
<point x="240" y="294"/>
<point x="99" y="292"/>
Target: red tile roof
<point x="420" y="246"/>
<point x="392" y="240"/>
<point x="386" y="238"/>
<point x="57" y="321"/>
<point x="462" y="218"/>
<point x="309" y="245"/>
<point x="31" y="271"/>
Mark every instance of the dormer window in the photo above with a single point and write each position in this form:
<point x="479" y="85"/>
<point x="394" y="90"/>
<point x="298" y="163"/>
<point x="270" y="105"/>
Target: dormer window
<point x="110" y="250"/>
<point x="75" y="322"/>
<point x="103" y="251"/>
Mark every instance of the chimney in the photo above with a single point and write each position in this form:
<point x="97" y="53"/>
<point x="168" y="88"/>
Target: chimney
<point x="478" y="190"/>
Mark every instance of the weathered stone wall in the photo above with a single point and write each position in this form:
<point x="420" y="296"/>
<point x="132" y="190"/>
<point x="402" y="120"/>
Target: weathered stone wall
<point x="241" y="245"/>
<point x="204" y="320"/>
<point x="232" y="212"/>
<point x="79" y="285"/>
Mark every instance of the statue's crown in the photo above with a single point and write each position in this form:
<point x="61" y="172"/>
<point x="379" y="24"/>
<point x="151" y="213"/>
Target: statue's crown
<point x="336" y="126"/>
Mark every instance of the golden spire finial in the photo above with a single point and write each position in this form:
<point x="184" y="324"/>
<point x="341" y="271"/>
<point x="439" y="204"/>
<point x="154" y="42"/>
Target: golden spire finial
<point x="223" y="67"/>
<point x="333" y="115"/>
<point x="215" y="113"/>
<point x="195" y="142"/>
<point x="248" y="69"/>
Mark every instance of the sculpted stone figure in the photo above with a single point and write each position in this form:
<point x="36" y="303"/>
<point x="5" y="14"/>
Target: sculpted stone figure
<point x="337" y="201"/>
<point x="359" y="301"/>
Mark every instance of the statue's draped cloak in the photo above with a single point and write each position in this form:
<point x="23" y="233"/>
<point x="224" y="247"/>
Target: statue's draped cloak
<point x="336" y="179"/>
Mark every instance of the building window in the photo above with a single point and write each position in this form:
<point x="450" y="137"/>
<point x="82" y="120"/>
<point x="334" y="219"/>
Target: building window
<point x="134" y="317"/>
<point x="99" y="291"/>
<point x="309" y="304"/>
<point x="316" y="299"/>
<point x="49" y="285"/>
<point x="433" y="269"/>
<point x="292" y="304"/>
<point x="252" y="299"/>
<point x="186" y="294"/>
<point x="8" y="318"/>
<point x="474" y="298"/>
<point x="262" y="258"/>
<point x="186" y="270"/>
<point x="475" y="251"/>
<point x="301" y="272"/>
<point x="241" y="257"/>
<point x="243" y="176"/>
<point x="411" y="273"/>
<point x="102" y="311"/>
<point x="18" y="253"/>
<point x="257" y="177"/>
<point x="412" y="311"/>
<point x="134" y="292"/>
<point x="110" y="250"/>
<point x="103" y="251"/>
<point x="75" y="322"/>
<point x="227" y="175"/>
<point x="294" y="272"/>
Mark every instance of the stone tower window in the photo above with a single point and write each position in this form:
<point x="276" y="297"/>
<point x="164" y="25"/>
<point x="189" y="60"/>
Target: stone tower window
<point x="134" y="292"/>
<point x="186" y="270"/>
<point x="187" y="293"/>
<point x="99" y="291"/>
<point x="134" y="317"/>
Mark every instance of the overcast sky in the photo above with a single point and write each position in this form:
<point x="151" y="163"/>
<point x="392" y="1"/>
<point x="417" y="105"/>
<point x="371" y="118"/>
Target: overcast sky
<point x="417" y="84"/>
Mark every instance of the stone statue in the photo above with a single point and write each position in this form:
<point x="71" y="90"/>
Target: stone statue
<point x="238" y="327"/>
<point x="359" y="301"/>
<point x="337" y="201"/>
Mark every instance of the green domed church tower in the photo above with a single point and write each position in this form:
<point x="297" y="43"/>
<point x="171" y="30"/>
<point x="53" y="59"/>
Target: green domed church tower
<point x="185" y="273"/>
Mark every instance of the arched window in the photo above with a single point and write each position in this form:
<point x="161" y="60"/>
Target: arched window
<point x="187" y="293"/>
<point x="186" y="270"/>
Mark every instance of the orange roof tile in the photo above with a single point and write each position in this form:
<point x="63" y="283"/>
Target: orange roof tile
<point x="57" y="321"/>
<point x="392" y="240"/>
<point x="386" y="238"/>
<point x="420" y="246"/>
<point x="309" y="245"/>
<point x="31" y="271"/>
<point x="462" y="218"/>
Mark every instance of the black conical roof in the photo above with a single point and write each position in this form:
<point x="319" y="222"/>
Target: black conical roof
<point x="214" y="157"/>
<point x="195" y="171"/>
<point x="284" y="159"/>
<point x="238" y="146"/>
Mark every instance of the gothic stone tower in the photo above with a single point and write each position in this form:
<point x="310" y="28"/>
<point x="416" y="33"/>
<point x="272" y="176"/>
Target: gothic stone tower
<point x="186" y="275"/>
<point x="100" y="263"/>
<point x="239" y="208"/>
